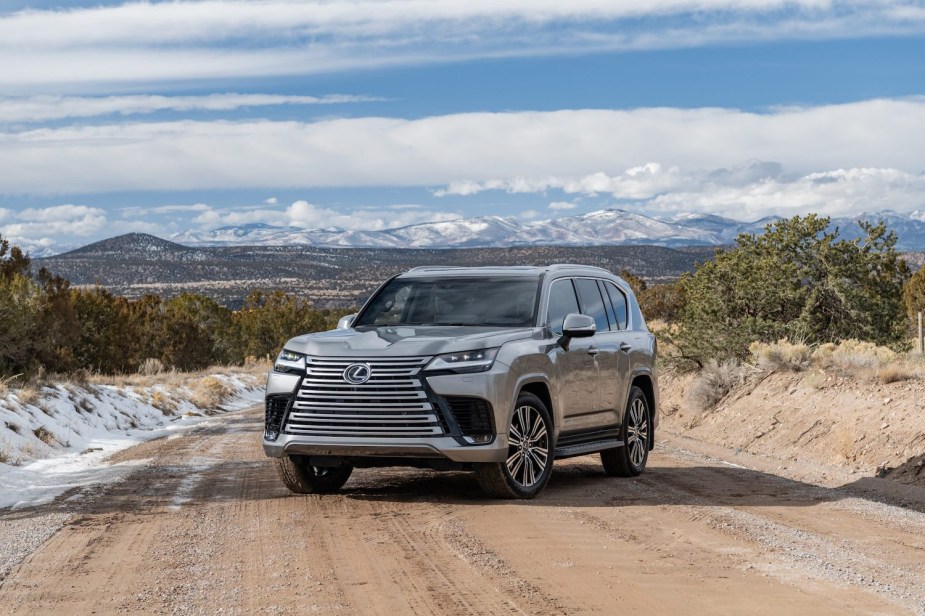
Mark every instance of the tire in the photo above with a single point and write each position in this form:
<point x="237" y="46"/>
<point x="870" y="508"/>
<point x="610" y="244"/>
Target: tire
<point x="630" y="460"/>
<point x="301" y="478"/>
<point x="529" y="462"/>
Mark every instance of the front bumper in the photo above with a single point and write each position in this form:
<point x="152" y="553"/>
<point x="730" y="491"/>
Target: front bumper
<point x="492" y="385"/>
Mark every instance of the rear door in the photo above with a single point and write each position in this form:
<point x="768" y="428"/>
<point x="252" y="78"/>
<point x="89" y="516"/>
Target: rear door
<point x="577" y="369"/>
<point x="615" y="363"/>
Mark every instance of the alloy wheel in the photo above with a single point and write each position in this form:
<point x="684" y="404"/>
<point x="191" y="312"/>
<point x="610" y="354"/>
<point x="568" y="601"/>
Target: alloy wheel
<point x="637" y="432"/>
<point x="528" y="446"/>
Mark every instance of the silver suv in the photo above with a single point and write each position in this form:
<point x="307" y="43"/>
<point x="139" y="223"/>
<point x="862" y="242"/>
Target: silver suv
<point x="500" y="370"/>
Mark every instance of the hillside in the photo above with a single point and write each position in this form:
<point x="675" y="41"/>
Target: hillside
<point x="135" y="264"/>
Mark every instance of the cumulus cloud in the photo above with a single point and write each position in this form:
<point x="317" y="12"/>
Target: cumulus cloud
<point x="45" y="107"/>
<point x="562" y="205"/>
<point x="633" y="154"/>
<point x="34" y="228"/>
<point x="144" y="41"/>
<point x="746" y="192"/>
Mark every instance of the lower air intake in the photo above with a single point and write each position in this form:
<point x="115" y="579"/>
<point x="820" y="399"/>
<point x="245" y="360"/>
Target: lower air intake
<point x="472" y="415"/>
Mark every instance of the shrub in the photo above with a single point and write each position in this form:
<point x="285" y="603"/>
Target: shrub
<point x="798" y="280"/>
<point x="210" y="392"/>
<point x="713" y="382"/>
<point x="893" y="374"/>
<point x="853" y="354"/>
<point x="781" y="355"/>
<point x="44" y="435"/>
<point x="28" y="395"/>
<point x="151" y="367"/>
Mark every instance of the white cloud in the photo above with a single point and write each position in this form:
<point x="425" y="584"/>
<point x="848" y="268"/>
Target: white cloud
<point x="529" y="214"/>
<point x="307" y="216"/>
<point x="33" y="227"/>
<point x="271" y="201"/>
<point x="45" y="107"/>
<point x="575" y="150"/>
<point x="562" y="205"/>
<point x="174" y="209"/>
<point x="146" y="41"/>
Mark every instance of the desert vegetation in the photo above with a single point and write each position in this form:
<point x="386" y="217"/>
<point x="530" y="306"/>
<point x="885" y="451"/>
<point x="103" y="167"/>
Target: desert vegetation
<point x="49" y="326"/>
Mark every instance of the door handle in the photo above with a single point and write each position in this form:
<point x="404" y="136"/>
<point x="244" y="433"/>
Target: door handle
<point x="592" y="350"/>
<point x="625" y="347"/>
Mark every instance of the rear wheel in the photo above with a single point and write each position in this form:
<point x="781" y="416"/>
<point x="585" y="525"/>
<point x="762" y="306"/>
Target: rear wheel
<point x="303" y="478"/>
<point x="529" y="455"/>
<point x="630" y="460"/>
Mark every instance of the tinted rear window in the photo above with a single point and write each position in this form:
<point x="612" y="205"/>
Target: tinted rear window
<point x="592" y="304"/>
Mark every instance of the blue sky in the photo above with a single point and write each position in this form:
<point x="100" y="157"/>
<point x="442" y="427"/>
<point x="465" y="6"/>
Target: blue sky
<point x="162" y="117"/>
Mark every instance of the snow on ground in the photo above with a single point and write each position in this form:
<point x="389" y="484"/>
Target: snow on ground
<point x="56" y="438"/>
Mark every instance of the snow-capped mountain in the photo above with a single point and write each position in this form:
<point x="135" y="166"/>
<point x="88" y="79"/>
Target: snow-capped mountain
<point x="603" y="227"/>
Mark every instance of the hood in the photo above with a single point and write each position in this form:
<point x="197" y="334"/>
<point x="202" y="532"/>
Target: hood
<point x="404" y="340"/>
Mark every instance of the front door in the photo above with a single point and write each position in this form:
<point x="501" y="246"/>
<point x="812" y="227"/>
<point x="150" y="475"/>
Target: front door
<point x="577" y="367"/>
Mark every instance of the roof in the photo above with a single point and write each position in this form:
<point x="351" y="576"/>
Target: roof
<point x="500" y="270"/>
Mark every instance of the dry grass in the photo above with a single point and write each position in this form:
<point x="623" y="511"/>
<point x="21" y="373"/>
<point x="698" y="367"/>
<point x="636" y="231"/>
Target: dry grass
<point x="894" y="373"/>
<point x="713" y="383"/>
<point x="6" y="456"/>
<point x="781" y="355"/>
<point x="209" y="392"/>
<point x="44" y="435"/>
<point x="151" y="367"/>
<point x="853" y="354"/>
<point x="29" y="395"/>
<point x="164" y="403"/>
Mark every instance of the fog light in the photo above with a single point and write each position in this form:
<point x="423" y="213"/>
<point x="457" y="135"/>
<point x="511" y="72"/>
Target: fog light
<point x="270" y="435"/>
<point x="479" y="439"/>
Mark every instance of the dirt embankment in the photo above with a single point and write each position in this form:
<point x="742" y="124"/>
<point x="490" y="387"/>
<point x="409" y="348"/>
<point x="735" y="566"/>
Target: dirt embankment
<point x="854" y="425"/>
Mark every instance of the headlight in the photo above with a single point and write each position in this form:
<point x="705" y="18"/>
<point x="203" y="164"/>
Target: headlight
<point x="466" y="361"/>
<point x="290" y="361"/>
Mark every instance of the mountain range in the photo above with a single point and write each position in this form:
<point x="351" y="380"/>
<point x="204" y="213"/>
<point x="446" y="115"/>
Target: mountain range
<point x="610" y="227"/>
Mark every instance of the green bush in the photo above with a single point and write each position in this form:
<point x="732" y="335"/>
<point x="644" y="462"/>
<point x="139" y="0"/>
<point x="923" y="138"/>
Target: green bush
<point x="798" y="280"/>
<point x="46" y="325"/>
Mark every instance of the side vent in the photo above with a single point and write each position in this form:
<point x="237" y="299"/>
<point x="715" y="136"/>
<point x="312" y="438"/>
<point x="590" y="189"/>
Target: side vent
<point x="473" y="415"/>
<point x="273" y="419"/>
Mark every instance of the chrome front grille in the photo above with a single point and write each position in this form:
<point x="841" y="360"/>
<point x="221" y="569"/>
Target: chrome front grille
<point x="392" y="403"/>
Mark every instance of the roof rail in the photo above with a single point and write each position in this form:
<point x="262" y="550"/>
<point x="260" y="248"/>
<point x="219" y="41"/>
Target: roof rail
<point x="558" y="266"/>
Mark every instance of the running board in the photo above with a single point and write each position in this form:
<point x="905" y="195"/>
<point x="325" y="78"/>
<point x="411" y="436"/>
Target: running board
<point x="580" y="449"/>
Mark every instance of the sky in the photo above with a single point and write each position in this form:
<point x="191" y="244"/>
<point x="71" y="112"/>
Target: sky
<point x="162" y="117"/>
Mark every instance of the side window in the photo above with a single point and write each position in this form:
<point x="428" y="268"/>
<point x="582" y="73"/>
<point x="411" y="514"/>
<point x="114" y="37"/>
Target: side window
<point x="619" y="303"/>
<point x="562" y="301"/>
<point x="592" y="303"/>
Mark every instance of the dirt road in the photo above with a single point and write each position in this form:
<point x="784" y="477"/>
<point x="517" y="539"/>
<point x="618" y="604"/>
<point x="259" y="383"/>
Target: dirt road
<point x="205" y="527"/>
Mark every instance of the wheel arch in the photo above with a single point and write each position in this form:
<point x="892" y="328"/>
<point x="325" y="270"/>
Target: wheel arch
<point x="539" y="387"/>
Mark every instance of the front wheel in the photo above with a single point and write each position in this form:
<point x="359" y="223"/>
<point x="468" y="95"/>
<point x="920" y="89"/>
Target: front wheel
<point x="303" y="478"/>
<point x="529" y="454"/>
<point x="630" y="460"/>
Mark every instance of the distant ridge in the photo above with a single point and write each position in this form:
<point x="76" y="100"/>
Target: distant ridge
<point x="135" y="245"/>
<point x="610" y="227"/>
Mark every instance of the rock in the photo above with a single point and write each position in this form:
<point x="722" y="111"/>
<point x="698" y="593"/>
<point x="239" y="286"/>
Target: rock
<point x="887" y="400"/>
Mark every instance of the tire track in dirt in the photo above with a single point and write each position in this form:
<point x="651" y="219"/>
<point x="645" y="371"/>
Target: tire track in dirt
<point x="205" y="525"/>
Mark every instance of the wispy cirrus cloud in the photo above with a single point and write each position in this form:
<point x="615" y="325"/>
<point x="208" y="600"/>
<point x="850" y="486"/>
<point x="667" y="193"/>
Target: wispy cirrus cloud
<point x="164" y="41"/>
<point x="42" y="108"/>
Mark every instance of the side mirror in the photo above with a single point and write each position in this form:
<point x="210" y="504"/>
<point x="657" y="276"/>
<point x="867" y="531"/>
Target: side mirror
<point x="578" y="326"/>
<point x="346" y="321"/>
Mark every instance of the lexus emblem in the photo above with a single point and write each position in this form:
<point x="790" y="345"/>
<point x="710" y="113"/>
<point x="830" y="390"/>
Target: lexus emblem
<point x="357" y="374"/>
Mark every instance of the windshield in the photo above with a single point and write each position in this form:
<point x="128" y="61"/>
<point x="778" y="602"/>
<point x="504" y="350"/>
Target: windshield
<point x="508" y="302"/>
